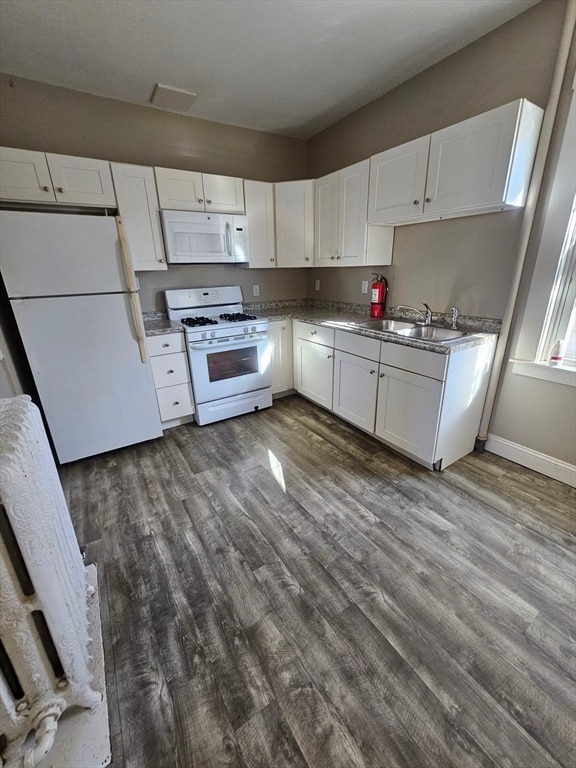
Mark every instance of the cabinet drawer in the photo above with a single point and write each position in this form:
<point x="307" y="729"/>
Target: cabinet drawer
<point x="355" y="344"/>
<point x="176" y="401"/>
<point x="170" y="369"/>
<point x="419" y="361"/>
<point x="319" y="334"/>
<point x="165" y="344"/>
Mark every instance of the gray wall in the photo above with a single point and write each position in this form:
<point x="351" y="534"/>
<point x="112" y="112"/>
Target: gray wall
<point x="44" y="117"/>
<point x="463" y="262"/>
<point x="273" y="283"/>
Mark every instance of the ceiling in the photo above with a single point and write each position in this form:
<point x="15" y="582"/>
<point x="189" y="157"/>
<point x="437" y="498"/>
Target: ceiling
<point x="292" y="67"/>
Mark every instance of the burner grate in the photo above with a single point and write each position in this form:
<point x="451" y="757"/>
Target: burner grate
<point x="197" y="322"/>
<point x="236" y="317"/>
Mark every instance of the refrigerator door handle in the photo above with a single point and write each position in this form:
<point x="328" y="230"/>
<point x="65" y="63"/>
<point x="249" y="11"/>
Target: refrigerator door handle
<point x="133" y="290"/>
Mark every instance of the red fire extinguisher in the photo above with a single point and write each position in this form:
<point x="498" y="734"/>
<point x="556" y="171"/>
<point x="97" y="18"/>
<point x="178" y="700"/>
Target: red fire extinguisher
<point x="379" y="290"/>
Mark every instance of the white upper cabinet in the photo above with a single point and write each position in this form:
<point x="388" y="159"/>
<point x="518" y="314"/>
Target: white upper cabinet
<point x="326" y="198"/>
<point x="480" y="165"/>
<point x="295" y="223"/>
<point x="261" y="235"/>
<point x="81" y="180"/>
<point x="193" y="191"/>
<point x="341" y="236"/>
<point x="484" y="162"/>
<point x="24" y="175"/>
<point x="397" y="181"/>
<point x="341" y="200"/>
<point x="352" y="214"/>
<point x="40" y="177"/>
<point x="138" y="207"/>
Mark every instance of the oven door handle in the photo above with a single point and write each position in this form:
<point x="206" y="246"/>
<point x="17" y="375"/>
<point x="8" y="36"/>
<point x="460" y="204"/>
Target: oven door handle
<point x="232" y="342"/>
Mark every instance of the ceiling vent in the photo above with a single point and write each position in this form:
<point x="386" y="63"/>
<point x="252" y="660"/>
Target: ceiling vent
<point x="173" y="99"/>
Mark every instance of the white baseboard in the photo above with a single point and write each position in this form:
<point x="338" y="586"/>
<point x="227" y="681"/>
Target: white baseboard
<point x="539" y="462"/>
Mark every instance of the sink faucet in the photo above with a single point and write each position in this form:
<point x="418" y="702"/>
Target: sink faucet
<point x="426" y="315"/>
<point x="454" y="317"/>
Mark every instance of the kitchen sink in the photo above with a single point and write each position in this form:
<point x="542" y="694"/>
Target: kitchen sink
<point x="388" y="325"/>
<point x="431" y="333"/>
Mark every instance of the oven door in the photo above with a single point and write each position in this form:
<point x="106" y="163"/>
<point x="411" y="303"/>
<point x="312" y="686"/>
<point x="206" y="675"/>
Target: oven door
<point x="231" y="366"/>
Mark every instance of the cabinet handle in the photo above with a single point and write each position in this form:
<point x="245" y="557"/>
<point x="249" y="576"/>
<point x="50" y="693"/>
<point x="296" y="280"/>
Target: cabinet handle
<point x="161" y="261"/>
<point x="416" y="202"/>
<point x="170" y="370"/>
<point x="200" y="200"/>
<point x="382" y="375"/>
<point x="166" y="344"/>
<point x="272" y="260"/>
<point x="329" y="356"/>
<point x="313" y="333"/>
<point x="428" y="199"/>
<point x="60" y="189"/>
<point x="332" y="258"/>
<point x="372" y="371"/>
<point x="208" y="202"/>
<point x="176" y="402"/>
<point x="46" y="189"/>
<point x="307" y="259"/>
<point x="338" y="258"/>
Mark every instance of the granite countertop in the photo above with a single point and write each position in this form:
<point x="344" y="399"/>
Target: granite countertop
<point x="157" y="324"/>
<point x="346" y="317"/>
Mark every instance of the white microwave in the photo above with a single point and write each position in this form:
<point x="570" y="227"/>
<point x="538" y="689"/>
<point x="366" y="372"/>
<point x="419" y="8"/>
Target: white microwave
<point x="204" y="238"/>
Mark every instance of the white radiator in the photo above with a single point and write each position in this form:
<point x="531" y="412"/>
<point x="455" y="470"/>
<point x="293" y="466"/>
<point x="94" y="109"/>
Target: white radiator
<point x="44" y="633"/>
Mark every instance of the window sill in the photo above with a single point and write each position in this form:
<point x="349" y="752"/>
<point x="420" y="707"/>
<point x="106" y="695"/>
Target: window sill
<point x="561" y="375"/>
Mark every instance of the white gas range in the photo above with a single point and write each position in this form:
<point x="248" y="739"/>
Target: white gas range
<point x="228" y="350"/>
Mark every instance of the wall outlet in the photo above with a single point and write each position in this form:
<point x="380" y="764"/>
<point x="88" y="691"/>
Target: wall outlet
<point x="364" y="286"/>
<point x="255" y="290"/>
<point x="317" y="285"/>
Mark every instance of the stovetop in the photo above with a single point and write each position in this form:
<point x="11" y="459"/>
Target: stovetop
<point x="197" y="321"/>
<point x="198" y="309"/>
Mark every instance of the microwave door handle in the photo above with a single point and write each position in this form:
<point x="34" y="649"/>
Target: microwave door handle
<point x="228" y="235"/>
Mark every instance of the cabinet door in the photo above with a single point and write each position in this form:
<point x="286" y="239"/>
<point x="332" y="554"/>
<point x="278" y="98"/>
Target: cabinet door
<point x="224" y="194"/>
<point x="259" y="197"/>
<point x="170" y="369"/>
<point x="24" y="175"/>
<point x="81" y="180"/>
<point x="175" y="402"/>
<point x="326" y="197"/>
<point x="294" y="223"/>
<point x="470" y="161"/>
<point x="352" y="214"/>
<point x="281" y="355"/>
<point x="408" y="411"/>
<point x="397" y="182"/>
<point x="179" y="190"/>
<point x="138" y="206"/>
<point x="355" y="386"/>
<point x="313" y="371"/>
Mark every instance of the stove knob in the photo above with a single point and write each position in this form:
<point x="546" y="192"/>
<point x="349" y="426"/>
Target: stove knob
<point x="253" y="329"/>
<point x="245" y="330"/>
<point x="212" y="333"/>
<point x="203" y="335"/>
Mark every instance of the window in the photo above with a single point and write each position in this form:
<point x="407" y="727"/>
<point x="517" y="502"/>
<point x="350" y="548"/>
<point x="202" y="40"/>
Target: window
<point x="560" y="320"/>
<point x="549" y="312"/>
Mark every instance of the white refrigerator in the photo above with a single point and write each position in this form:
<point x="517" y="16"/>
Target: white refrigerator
<point x="75" y="303"/>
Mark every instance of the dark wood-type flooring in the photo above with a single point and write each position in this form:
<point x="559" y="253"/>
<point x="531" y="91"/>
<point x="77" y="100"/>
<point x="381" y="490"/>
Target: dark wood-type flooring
<point x="281" y="591"/>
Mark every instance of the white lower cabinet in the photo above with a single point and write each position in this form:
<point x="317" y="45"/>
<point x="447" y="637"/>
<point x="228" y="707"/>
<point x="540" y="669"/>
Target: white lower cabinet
<point x="424" y="404"/>
<point x="281" y="355"/>
<point x="172" y="378"/>
<point x="314" y="362"/>
<point x="355" y="388"/>
<point x="408" y="411"/>
<point x="356" y="378"/>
